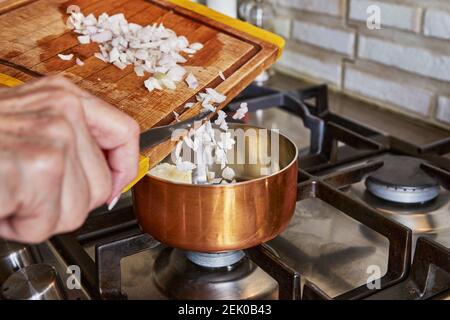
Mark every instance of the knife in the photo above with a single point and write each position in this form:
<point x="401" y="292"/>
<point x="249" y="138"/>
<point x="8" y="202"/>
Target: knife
<point x="155" y="136"/>
<point x="148" y="139"/>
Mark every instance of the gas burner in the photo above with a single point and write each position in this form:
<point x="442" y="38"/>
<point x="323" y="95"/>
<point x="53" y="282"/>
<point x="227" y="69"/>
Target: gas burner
<point x="215" y="260"/>
<point x="177" y="276"/>
<point x="13" y="256"/>
<point x="35" y="282"/>
<point x="429" y="217"/>
<point x="402" y="180"/>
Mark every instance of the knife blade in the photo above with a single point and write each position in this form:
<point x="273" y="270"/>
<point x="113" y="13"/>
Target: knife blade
<point x="154" y="136"/>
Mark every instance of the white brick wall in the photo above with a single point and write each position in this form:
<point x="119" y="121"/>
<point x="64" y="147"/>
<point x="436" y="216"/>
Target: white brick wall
<point x="386" y="89"/>
<point x="393" y="15"/>
<point x="341" y="41"/>
<point x="443" y="110"/>
<point x="330" y="7"/>
<point x="410" y="58"/>
<point x="405" y="66"/>
<point x="328" y="69"/>
<point x="282" y="26"/>
<point x="437" y="24"/>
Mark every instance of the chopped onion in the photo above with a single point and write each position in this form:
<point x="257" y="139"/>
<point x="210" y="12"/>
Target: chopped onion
<point x="139" y="70"/>
<point x="177" y="116"/>
<point x="100" y="56"/>
<point x="241" y="112"/>
<point x="90" y="20"/>
<point x="84" y="39"/>
<point x="159" y="51"/>
<point x="73" y="9"/>
<point x="153" y="48"/>
<point x="114" y="55"/>
<point x="208" y="107"/>
<point x="226" y="142"/>
<point x="191" y="81"/>
<point x="201" y="96"/>
<point x="102" y="37"/>
<point x="224" y="126"/>
<point x="176" y="73"/>
<point x="66" y="57"/>
<point x="228" y="173"/>
<point x="141" y="54"/>
<point x="188" y="142"/>
<point x="149" y="85"/>
<point x="220" y="121"/>
<point x="215" y="96"/>
<point x="189" y="51"/>
<point x="156" y="83"/>
<point x="196" y="46"/>
<point x="185" y="166"/>
<point x="79" y="62"/>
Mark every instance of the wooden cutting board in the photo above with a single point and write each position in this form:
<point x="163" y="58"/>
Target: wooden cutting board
<point x="33" y="33"/>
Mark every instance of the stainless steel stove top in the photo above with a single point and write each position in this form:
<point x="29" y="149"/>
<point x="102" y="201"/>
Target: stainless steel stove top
<point x="430" y="218"/>
<point x="342" y="243"/>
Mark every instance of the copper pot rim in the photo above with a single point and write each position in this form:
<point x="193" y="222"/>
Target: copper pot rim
<point x="242" y="183"/>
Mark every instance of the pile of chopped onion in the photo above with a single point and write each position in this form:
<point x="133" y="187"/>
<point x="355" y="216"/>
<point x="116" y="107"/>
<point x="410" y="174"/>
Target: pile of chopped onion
<point x="205" y="146"/>
<point x="152" y="49"/>
<point x="159" y="52"/>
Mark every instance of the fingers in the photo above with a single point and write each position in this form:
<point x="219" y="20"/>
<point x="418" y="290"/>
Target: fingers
<point x="118" y="136"/>
<point x="36" y="196"/>
<point x="66" y="104"/>
<point x="91" y="158"/>
<point x="113" y="131"/>
<point x="63" y="152"/>
<point x="53" y="193"/>
<point x="10" y="177"/>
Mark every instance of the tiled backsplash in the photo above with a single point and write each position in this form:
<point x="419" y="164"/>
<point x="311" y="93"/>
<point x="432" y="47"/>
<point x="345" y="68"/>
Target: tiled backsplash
<point x="404" y="65"/>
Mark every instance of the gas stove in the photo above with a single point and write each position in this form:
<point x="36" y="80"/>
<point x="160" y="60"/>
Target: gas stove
<point x="372" y="221"/>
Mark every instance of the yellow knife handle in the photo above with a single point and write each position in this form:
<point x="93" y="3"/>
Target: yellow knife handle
<point x="144" y="166"/>
<point x="7" y="81"/>
<point x="144" y="163"/>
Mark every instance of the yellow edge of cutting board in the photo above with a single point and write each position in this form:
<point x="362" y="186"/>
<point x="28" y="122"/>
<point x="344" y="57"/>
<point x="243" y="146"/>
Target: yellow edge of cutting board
<point x="234" y="23"/>
<point x="144" y="163"/>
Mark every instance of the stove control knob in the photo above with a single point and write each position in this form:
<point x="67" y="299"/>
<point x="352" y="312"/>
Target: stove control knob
<point x="35" y="282"/>
<point x="13" y="256"/>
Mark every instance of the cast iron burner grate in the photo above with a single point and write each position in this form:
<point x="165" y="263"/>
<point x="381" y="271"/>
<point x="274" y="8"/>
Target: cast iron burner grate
<point x="103" y="278"/>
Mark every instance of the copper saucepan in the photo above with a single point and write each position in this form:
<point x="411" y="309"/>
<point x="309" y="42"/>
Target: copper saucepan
<point x="216" y="218"/>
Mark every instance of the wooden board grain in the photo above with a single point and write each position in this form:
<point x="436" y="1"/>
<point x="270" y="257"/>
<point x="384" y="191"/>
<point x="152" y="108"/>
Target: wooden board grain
<point x="35" y="33"/>
<point x="9" y="5"/>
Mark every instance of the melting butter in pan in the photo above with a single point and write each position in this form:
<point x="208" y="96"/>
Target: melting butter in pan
<point x="170" y="172"/>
